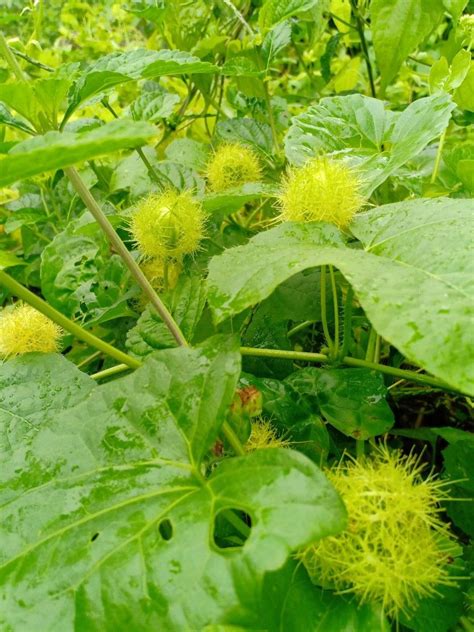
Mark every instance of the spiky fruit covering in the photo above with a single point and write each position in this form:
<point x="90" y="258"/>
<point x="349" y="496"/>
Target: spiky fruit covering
<point x="154" y="270"/>
<point x="168" y="224"/>
<point x="322" y="190"/>
<point x="395" y="549"/>
<point x="263" y="435"/>
<point x="23" y="329"/>
<point x="466" y="24"/>
<point x="231" y="166"/>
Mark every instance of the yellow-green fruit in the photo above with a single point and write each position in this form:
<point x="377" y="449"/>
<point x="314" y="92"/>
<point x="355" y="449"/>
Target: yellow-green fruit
<point x="23" y="329"/>
<point x="231" y="166"/>
<point x="322" y="190"/>
<point x="168" y="224"/>
<point x="154" y="270"/>
<point x="263" y="435"/>
<point x="395" y="549"/>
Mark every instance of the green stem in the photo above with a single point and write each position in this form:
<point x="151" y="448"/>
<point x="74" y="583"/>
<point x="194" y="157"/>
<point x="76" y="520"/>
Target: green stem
<point x="360" y="448"/>
<point x="151" y="171"/>
<point x="434" y="175"/>
<point x="10" y="59"/>
<point x="306" y="356"/>
<point x="271" y="116"/>
<point x="378" y="342"/>
<point x="365" y="50"/>
<point x="324" y="319"/>
<point x="90" y="358"/>
<point x="412" y="376"/>
<point x="239" y="16"/>
<point x="233" y="439"/>
<point x="166" y="269"/>
<point x="268" y="103"/>
<point x="237" y="523"/>
<point x="336" y="310"/>
<point x="346" y="341"/>
<point x="336" y="17"/>
<point x="466" y="624"/>
<point x="79" y="332"/>
<point x="113" y="370"/>
<point x="122" y="250"/>
<point x="300" y="327"/>
<point x="31" y="61"/>
<point x="369" y="354"/>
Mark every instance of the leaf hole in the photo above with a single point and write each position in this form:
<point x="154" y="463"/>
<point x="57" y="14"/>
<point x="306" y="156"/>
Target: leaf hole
<point x="232" y="528"/>
<point x="166" y="529"/>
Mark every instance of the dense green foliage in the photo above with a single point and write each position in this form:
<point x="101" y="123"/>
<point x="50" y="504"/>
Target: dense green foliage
<point x="149" y="151"/>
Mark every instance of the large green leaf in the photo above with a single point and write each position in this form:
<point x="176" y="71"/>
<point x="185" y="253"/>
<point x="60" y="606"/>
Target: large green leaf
<point x="116" y="68"/>
<point x="111" y="519"/>
<point x="413" y="296"/>
<point x="434" y="235"/>
<point x="248" y="132"/>
<point x="219" y="205"/>
<point x="56" y="150"/>
<point x="289" y="601"/>
<point x="352" y="400"/>
<point x="38" y="101"/>
<point x="459" y="466"/>
<point x="275" y="11"/>
<point x="377" y="140"/>
<point x="29" y="395"/>
<point x="153" y="105"/>
<point x="81" y="279"/>
<point x="398" y="27"/>
<point x="186" y="304"/>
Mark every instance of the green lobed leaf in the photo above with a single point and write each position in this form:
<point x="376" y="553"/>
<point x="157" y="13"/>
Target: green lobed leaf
<point x="82" y="279"/>
<point x="9" y="260"/>
<point x="412" y="296"/>
<point x="399" y="26"/>
<point x="287" y="600"/>
<point x="273" y="12"/>
<point x="459" y="467"/>
<point x="247" y="131"/>
<point x="6" y="118"/>
<point x="434" y="235"/>
<point x="351" y="400"/>
<point x="376" y="140"/>
<point x="117" y="68"/>
<point x="275" y="41"/>
<point x="56" y="150"/>
<point x="188" y="152"/>
<point x="186" y="304"/>
<point x="112" y="500"/>
<point x="219" y="205"/>
<point x="30" y="395"/>
<point x="38" y="101"/>
<point x="153" y="106"/>
<point x="440" y="612"/>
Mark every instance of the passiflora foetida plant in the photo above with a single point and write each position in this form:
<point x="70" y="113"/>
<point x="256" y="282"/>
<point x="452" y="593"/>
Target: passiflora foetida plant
<point x="236" y="350"/>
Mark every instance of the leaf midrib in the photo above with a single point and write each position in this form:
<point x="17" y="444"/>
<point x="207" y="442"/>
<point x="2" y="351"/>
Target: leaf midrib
<point x="91" y="517"/>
